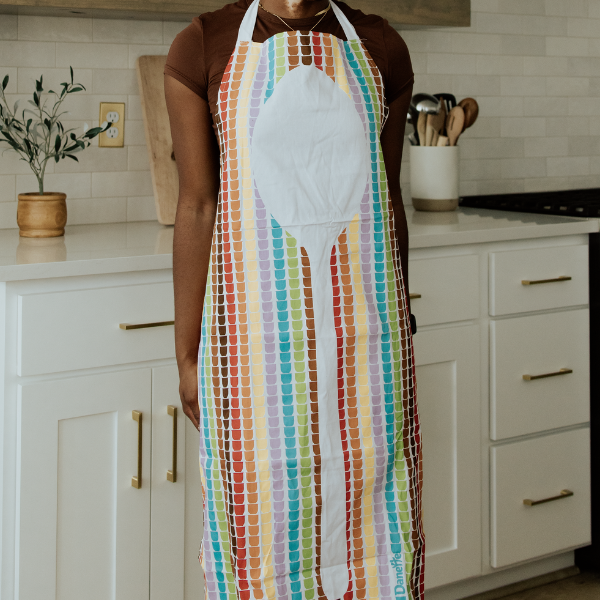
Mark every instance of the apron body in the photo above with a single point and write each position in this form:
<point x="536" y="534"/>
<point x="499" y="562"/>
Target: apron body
<point x="309" y="435"/>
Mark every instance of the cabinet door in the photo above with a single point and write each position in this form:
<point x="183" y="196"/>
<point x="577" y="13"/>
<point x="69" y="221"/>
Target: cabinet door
<point x="448" y="370"/>
<point x="176" y="531"/>
<point x="82" y="529"/>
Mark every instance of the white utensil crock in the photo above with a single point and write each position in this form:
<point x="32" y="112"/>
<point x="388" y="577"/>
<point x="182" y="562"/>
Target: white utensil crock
<point x="434" y="178"/>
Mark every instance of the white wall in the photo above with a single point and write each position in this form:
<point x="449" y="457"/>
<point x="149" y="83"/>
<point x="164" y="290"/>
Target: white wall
<point x="534" y="66"/>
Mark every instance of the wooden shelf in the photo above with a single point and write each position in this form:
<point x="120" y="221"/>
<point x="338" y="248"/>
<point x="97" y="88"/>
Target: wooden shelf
<point x="424" y="13"/>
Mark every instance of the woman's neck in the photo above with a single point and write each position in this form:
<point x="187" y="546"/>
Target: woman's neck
<point x="295" y="9"/>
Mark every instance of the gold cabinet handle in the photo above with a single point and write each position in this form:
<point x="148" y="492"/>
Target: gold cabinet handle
<point x="563" y="494"/>
<point x="136" y="482"/>
<point x="172" y="475"/>
<point x="555" y="374"/>
<point x="415" y="296"/>
<point x="130" y="326"/>
<point x="538" y="281"/>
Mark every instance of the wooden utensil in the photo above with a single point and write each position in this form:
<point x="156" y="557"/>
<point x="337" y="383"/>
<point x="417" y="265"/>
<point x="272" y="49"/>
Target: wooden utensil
<point x="442" y="141"/>
<point x="421" y="128"/>
<point x="455" y="124"/>
<point x="435" y="124"/>
<point x="165" y="179"/>
<point x="471" y="108"/>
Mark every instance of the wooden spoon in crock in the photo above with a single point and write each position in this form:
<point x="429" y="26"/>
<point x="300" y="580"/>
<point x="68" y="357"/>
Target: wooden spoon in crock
<point x="471" y="108"/>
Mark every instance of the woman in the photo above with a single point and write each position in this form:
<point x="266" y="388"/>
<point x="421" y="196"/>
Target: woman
<point x="292" y="317"/>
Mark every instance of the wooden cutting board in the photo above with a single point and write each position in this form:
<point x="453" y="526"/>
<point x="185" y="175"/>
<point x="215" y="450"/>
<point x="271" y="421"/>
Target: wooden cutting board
<point x="158" y="137"/>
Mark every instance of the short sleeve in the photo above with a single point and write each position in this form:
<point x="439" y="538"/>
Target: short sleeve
<point x="399" y="72"/>
<point x="186" y="61"/>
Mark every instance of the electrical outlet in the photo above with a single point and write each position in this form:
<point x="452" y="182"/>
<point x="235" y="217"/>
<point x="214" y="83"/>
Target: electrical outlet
<point x="114" y="136"/>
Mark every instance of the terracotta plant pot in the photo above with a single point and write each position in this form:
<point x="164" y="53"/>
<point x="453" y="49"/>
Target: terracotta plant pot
<point x="42" y="215"/>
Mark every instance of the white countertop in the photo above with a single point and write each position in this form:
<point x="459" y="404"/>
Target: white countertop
<point x="123" y="247"/>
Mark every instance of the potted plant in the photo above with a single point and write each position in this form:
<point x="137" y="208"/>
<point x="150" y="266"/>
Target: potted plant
<point x="37" y="137"/>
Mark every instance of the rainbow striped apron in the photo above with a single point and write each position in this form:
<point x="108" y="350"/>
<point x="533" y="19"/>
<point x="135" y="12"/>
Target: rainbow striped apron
<point x="310" y="451"/>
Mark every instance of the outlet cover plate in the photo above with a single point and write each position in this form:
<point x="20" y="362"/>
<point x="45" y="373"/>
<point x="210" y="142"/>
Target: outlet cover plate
<point x="112" y="138"/>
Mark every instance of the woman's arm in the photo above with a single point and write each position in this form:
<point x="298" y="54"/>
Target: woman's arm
<point x="392" y="143"/>
<point x="197" y="156"/>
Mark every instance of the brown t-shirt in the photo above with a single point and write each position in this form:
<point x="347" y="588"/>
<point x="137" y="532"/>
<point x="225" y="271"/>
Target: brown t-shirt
<point x="199" y="55"/>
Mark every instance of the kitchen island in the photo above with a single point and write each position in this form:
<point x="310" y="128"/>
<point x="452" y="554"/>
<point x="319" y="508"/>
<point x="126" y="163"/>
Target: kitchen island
<point x="90" y="435"/>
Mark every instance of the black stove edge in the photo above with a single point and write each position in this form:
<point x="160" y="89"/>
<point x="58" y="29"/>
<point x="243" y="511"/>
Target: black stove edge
<point x="588" y="558"/>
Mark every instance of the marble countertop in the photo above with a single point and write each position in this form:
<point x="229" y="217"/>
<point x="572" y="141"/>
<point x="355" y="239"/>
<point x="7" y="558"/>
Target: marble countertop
<point x="123" y="247"/>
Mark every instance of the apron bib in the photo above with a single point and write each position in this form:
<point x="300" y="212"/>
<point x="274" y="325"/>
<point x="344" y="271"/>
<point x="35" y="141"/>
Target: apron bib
<point x="310" y="441"/>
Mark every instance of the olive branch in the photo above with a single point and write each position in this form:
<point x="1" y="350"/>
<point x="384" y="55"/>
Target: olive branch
<point x="39" y="136"/>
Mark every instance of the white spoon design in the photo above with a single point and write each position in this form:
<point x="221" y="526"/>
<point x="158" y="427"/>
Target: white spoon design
<point x="310" y="162"/>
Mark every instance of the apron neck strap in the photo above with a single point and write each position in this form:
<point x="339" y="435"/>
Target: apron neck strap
<point x="249" y="23"/>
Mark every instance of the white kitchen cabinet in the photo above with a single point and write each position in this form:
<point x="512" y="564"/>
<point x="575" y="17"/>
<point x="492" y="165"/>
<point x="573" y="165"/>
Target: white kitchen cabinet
<point x="82" y="529"/>
<point x="540" y="496"/>
<point x="448" y="394"/>
<point x="74" y="378"/>
<point x="176" y="516"/>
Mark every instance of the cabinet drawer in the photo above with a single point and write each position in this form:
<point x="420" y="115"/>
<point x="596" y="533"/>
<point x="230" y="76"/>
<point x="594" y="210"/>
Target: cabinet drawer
<point x="535" y="470"/>
<point x="530" y="347"/>
<point x="64" y="331"/>
<point x="547" y="269"/>
<point x="448" y="289"/>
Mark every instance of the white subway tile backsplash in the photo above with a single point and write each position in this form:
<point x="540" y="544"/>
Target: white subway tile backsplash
<point x="55" y="29"/>
<point x="567" y="86"/>
<point x="521" y="168"/>
<point x="587" y="145"/>
<point x="546" y="184"/>
<point x="453" y="64"/>
<point x="585" y="27"/>
<point x="98" y="210"/>
<point x="141" y="208"/>
<point x="475" y="43"/>
<point x="138" y="159"/>
<point x="507" y="24"/>
<point x="524" y="45"/>
<point x="585" y="66"/>
<point x="8" y="215"/>
<point x="502" y="106"/>
<point x="545" y="106"/>
<point x="548" y="26"/>
<point x="92" y="55"/>
<point x="27" y="54"/>
<point x="8" y="189"/>
<point x="133" y="108"/>
<point x="115" y="81"/>
<point x="500" y="65"/>
<point x="567" y="126"/>
<point x="125" y="183"/>
<point x="128" y="32"/>
<point x="566" y="46"/>
<point x="570" y="8"/>
<point x="95" y="159"/>
<point x="523" y="86"/>
<point x="135" y="134"/>
<point x="568" y="166"/>
<point x="8" y="27"/>
<point x="518" y="7"/>
<point x="552" y="66"/>
<point x="584" y="107"/>
<point x="546" y="146"/>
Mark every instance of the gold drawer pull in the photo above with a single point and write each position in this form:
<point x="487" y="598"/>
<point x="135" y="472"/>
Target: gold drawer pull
<point x="556" y="374"/>
<point x="563" y="494"/>
<point x="538" y="281"/>
<point x="136" y="482"/>
<point x="172" y="475"/>
<point x="415" y="296"/>
<point x="130" y="326"/>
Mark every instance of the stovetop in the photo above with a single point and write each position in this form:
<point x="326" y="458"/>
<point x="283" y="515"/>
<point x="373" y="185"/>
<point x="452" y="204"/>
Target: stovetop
<point x="567" y="203"/>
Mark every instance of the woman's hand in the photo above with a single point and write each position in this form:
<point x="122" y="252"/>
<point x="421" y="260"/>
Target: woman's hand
<point x="188" y="392"/>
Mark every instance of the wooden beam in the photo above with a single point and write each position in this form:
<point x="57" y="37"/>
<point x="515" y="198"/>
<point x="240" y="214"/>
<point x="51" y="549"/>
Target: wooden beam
<point x="430" y="13"/>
